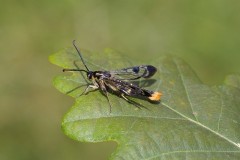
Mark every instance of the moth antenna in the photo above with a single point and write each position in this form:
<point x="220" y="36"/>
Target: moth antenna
<point x="80" y="55"/>
<point x="81" y="70"/>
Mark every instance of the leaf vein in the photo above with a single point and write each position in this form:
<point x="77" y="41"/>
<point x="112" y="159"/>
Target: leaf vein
<point x="190" y="151"/>
<point x="128" y="116"/>
<point x="219" y="119"/>
<point x="203" y="126"/>
<point x="185" y="88"/>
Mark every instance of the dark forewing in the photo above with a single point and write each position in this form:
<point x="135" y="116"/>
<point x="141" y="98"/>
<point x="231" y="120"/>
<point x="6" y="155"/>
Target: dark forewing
<point x="136" y="72"/>
<point x="126" y="88"/>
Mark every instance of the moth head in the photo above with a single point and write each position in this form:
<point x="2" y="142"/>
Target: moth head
<point x="89" y="75"/>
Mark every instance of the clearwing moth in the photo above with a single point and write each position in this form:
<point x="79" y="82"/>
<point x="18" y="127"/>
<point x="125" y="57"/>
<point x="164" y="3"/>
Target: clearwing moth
<point x="112" y="81"/>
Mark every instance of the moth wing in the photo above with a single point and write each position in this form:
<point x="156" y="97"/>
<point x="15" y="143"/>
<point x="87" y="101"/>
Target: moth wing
<point x="136" y="72"/>
<point x="126" y="87"/>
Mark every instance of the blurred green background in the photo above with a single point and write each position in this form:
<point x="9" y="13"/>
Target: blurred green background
<point x="205" y="33"/>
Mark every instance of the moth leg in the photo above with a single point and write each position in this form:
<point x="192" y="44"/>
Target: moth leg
<point x="105" y="92"/>
<point x="132" y="102"/>
<point x="110" y="109"/>
<point x="72" y="90"/>
<point x="94" y="87"/>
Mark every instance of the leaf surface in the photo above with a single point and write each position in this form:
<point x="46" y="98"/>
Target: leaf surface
<point x="192" y="121"/>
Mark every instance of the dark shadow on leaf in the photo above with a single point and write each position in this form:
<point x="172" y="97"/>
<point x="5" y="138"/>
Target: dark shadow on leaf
<point x="154" y="102"/>
<point x="145" y="83"/>
<point x="75" y="64"/>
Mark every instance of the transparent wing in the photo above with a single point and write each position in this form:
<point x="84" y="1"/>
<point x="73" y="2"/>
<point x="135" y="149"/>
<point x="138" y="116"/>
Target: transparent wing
<point x="136" y="72"/>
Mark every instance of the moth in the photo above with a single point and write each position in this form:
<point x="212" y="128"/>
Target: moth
<point x="119" y="81"/>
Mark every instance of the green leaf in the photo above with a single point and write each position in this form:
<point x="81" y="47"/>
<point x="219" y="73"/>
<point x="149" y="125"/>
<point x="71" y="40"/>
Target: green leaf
<point x="192" y="121"/>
